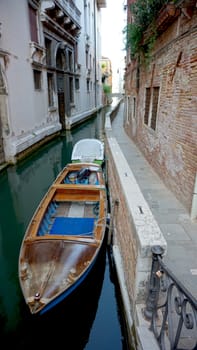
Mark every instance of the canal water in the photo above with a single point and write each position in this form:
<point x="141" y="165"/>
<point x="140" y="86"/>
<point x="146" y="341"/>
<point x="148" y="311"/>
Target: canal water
<point x="89" y="319"/>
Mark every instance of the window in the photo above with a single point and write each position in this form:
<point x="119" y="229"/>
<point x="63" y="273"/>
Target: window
<point x="154" y="107"/>
<point x="128" y="108"/>
<point x="134" y="108"/>
<point x="147" y="106"/>
<point x="50" y="82"/>
<point x="77" y="86"/>
<point x="88" y="85"/>
<point x="60" y="59"/>
<point x="70" y="61"/>
<point x="85" y="16"/>
<point x="33" y="24"/>
<point x="76" y="54"/>
<point x="90" y="62"/>
<point x="48" y="51"/>
<point x="87" y="51"/>
<point x="71" y="92"/>
<point x="37" y="79"/>
<point x="151" y="107"/>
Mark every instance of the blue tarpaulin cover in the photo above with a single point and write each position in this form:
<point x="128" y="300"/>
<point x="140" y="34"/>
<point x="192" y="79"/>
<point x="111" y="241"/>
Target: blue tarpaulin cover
<point x="72" y="226"/>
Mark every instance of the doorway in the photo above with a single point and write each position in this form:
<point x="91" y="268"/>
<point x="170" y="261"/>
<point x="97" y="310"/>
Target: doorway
<point x="61" y="99"/>
<point x="61" y="86"/>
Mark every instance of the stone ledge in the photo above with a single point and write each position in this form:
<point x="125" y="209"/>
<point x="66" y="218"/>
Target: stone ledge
<point x="147" y="229"/>
<point x="146" y="339"/>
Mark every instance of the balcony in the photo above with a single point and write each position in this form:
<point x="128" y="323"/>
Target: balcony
<point x="62" y="16"/>
<point x="37" y="53"/>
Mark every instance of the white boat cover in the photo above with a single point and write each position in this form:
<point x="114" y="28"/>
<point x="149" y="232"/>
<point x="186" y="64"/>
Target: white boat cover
<point x="88" y="150"/>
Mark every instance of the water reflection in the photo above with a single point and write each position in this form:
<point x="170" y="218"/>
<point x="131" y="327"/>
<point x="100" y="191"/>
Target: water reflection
<point x="21" y="189"/>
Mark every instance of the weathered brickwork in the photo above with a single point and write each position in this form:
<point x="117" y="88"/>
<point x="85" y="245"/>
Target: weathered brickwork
<point x="172" y="147"/>
<point x="135" y="230"/>
<point x="125" y="238"/>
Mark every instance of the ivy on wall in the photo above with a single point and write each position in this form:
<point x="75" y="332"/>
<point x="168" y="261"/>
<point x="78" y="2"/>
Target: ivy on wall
<point x="144" y="14"/>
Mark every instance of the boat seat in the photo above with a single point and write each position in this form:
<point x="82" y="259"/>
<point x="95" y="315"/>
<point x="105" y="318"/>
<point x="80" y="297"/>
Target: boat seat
<point x="72" y="226"/>
<point x="76" y="210"/>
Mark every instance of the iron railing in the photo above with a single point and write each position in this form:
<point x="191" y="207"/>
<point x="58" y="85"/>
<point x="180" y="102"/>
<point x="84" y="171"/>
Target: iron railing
<point x="170" y="307"/>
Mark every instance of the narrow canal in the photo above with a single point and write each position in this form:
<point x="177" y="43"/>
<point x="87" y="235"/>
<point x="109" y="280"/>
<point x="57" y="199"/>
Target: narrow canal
<point x="89" y="319"/>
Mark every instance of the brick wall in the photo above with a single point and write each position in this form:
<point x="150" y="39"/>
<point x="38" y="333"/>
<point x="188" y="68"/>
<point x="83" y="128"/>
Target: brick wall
<point x="172" y="148"/>
<point x="134" y="232"/>
<point x="124" y="238"/>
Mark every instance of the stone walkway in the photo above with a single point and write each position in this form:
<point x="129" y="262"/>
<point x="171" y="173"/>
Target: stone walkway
<point x="173" y="219"/>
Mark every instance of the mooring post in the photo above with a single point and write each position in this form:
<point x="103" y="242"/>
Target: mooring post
<point x="154" y="283"/>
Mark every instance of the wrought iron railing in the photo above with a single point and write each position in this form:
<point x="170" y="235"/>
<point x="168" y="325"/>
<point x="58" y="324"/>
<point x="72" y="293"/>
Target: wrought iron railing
<point x="170" y="307"/>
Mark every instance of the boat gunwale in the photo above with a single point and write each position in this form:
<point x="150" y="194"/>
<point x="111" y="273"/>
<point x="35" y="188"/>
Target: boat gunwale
<point x="67" y="239"/>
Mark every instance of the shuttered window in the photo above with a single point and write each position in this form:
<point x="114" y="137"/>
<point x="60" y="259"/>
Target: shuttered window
<point x="155" y="99"/>
<point x="33" y="24"/>
<point x="147" y="106"/>
<point x="151" y="107"/>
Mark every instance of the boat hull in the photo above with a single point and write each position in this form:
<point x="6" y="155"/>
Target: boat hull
<point x="63" y="240"/>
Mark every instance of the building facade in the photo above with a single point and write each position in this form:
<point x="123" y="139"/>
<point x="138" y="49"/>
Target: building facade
<point x="161" y="103"/>
<point x="50" y="76"/>
<point x="106" y="71"/>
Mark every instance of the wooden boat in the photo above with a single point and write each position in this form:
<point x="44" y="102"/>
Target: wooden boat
<point x="88" y="150"/>
<point x="64" y="237"/>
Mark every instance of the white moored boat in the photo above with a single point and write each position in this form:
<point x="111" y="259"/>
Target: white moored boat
<point x="88" y="150"/>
